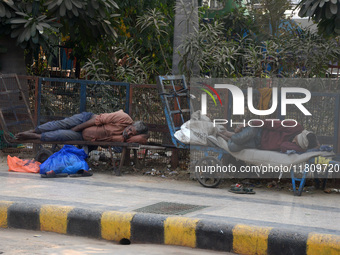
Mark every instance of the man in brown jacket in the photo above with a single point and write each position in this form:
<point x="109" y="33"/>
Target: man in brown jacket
<point x="111" y="127"/>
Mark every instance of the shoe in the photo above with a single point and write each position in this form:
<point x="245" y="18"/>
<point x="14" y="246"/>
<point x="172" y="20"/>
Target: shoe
<point x="82" y="173"/>
<point x="241" y="190"/>
<point x="52" y="174"/>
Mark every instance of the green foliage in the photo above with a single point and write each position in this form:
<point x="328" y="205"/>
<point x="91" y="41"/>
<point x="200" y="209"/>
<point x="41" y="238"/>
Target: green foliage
<point x="34" y="30"/>
<point x="268" y="16"/>
<point x="37" y="24"/>
<point x="236" y="45"/>
<point x="137" y="46"/>
<point x="6" y="9"/>
<point x="131" y="67"/>
<point x="94" y="70"/>
<point x="143" y="48"/>
<point x="308" y="55"/>
<point x="222" y="55"/>
<point x="84" y="19"/>
<point x="237" y="21"/>
<point x="153" y="23"/>
<point x="325" y="12"/>
<point x="207" y="48"/>
<point x="189" y="10"/>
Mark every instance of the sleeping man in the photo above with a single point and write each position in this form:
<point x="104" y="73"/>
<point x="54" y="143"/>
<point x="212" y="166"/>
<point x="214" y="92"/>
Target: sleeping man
<point x="108" y="127"/>
<point x="271" y="136"/>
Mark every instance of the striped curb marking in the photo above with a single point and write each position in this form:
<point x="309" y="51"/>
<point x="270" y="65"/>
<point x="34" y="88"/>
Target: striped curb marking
<point x="160" y="229"/>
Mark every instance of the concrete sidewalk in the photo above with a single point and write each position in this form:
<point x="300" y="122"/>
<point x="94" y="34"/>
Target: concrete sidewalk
<point x="269" y="222"/>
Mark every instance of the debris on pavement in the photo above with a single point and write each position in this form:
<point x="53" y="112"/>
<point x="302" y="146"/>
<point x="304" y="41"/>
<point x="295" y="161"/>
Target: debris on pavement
<point x="271" y="184"/>
<point x="332" y="190"/>
<point x="239" y="189"/>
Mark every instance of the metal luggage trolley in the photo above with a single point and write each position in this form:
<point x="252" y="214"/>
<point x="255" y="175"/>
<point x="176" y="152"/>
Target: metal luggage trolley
<point x="175" y="97"/>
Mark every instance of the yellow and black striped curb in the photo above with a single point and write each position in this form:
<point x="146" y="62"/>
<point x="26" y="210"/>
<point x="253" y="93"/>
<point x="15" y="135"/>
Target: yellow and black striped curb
<point x="158" y="229"/>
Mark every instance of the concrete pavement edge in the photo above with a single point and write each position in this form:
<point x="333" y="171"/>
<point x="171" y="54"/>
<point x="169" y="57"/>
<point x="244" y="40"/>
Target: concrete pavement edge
<point x="132" y="227"/>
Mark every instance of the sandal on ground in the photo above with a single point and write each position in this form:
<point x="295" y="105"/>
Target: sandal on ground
<point x="52" y="174"/>
<point x="241" y="190"/>
<point x="82" y="173"/>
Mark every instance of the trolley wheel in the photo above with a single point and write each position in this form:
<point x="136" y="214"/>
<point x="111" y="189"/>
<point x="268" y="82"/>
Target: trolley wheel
<point x="204" y="178"/>
<point x="43" y="155"/>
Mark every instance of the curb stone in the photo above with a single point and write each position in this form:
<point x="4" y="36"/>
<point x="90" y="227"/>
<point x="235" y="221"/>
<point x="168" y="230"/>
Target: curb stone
<point x="131" y="227"/>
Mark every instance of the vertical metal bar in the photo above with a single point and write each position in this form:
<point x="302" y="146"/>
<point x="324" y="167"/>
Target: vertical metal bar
<point x="131" y="91"/>
<point x="24" y="98"/>
<point x="82" y="107"/>
<point x="185" y="86"/>
<point x="36" y="81"/>
<point x="128" y="98"/>
<point x="177" y="106"/>
<point x="230" y="103"/>
<point x="173" y="116"/>
<point x="122" y="160"/>
<point x="39" y="102"/>
<point x="337" y="123"/>
<point x="168" y="116"/>
<point x="9" y="98"/>
<point x="279" y="116"/>
<point x="226" y="103"/>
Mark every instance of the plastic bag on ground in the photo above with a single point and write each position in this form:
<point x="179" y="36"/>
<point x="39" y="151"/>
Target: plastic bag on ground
<point x="68" y="160"/>
<point x="22" y="165"/>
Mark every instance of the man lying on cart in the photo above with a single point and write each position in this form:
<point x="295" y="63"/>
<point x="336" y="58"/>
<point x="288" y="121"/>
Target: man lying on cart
<point x="110" y="127"/>
<point x="271" y="136"/>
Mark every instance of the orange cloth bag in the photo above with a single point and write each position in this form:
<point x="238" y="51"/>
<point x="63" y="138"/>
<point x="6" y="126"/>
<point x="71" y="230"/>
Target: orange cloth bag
<point x="22" y="165"/>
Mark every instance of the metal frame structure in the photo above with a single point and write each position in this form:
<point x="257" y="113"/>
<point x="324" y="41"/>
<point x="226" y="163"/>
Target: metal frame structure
<point x="174" y="87"/>
<point x="16" y="103"/>
<point x="83" y="86"/>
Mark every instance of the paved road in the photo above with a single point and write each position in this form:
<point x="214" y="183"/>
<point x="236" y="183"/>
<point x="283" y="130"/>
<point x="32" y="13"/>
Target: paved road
<point x="312" y="212"/>
<point x="15" y="241"/>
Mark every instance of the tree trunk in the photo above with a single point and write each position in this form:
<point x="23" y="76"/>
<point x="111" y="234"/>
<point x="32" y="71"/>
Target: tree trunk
<point x="13" y="60"/>
<point x="186" y="19"/>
